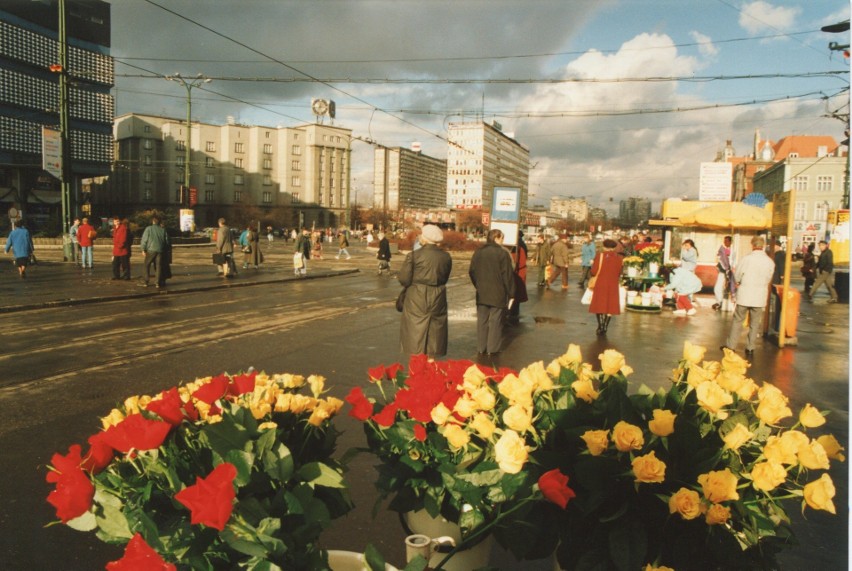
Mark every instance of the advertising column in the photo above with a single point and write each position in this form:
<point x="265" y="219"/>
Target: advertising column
<point x="506" y="213"/>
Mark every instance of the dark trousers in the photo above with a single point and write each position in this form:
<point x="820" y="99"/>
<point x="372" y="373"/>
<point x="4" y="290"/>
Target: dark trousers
<point x="152" y="261"/>
<point x="121" y="267"/>
<point x="489" y="328"/>
<point x="560" y="271"/>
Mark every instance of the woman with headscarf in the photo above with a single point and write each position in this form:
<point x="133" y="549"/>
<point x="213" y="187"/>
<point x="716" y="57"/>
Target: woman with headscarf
<point x="424" y="273"/>
<point x="606" y="295"/>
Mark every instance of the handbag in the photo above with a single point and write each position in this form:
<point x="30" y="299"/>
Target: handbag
<point x="594" y="279"/>
<point x="587" y="296"/>
<point x="400" y="300"/>
<point x="219" y="259"/>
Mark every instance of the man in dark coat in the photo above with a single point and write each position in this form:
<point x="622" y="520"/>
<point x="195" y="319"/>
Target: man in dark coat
<point x="384" y="254"/>
<point x="493" y="277"/>
<point x="825" y="273"/>
<point x="424" y="274"/>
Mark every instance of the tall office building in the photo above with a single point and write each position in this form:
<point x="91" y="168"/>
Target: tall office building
<point x="29" y="99"/>
<point x="305" y="169"/>
<point x="481" y="157"/>
<point x="407" y="179"/>
<point x="634" y="211"/>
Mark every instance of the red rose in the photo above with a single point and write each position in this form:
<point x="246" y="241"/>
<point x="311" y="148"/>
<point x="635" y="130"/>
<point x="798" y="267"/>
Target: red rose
<point x="242" y="384"/>
<point x="376" y="373"/>
<point x="420" y="432"/>
<point x="73" y="494"/>
<point x="214" y="390"/>
<point x="387" y="417"/>
<point x="361" y="407"/>
<point x="139" y="556"/>
<point x="137" y="432"/>
<point x="171" y="408"/>
<point x="100" y="454"/>
<point x="417" y="363"/>
<point x="392" y="370"/>
<point x="66" y="463"/>
<point x="554" y="487"/>
<point x="211" y="500"/>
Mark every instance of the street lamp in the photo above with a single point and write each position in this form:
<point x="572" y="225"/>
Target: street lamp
<point x="188" y="83"/>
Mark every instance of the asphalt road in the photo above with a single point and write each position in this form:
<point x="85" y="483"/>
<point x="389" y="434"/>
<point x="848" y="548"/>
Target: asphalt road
<point x="64" y="367"/>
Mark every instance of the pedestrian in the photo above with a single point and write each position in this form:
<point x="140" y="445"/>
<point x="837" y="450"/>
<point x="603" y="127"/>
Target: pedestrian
<point x="624" y="247"/>
<point x="424" y="274"/>
<point x="343" y="245"/>
<point x="165" y="258"/>
<point x="75" y="243"/>
<point x="316" y="245"/>
<point x="606" y="294"/>
<point x="824" y="272"/>
<point x="120" y="251"/>
<point x="250" y="242"/>
<point x="684" y="283"/>
<point x="519" y="270"/>
<point x="269" y="236"/>
<point x="753" y="274"/>
<point x="542" y="258"/>
<point x="225" y="247"/>
<point x="21" y="245"/>
<point x="86" y="238"/>
<point x="369" y="237"/>
<point x="587" y="256"/>
<point x="154" y="243"/>
<point x="302" y="253"/>
<point x="688" y="255"/>
<point x="492" y="274"/>
<point x="384" y="254"/>
<point x="723" y="265"/>
<point x="561" y="256"/>
<point x="809" y="268"/>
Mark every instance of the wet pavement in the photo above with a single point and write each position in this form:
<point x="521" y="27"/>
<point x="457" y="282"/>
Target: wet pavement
<point x="816" y="370"/>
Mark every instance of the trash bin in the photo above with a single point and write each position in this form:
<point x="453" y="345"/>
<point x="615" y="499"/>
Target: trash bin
<point x="841" y="284"/>
<point x="791" y="317"/>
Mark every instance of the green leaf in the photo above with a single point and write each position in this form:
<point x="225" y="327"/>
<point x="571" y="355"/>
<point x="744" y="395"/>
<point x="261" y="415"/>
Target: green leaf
<point x="419" y="563"/>
<point x="628" y="545"/>
<point x="243" y="461"/>
<point x="225" y="436"/>
<point x="278" y="463"/>
<point x="320" y="474"/>
<point x="110" y="517"/>
<point x="375" y="560"/>
<point x="85" y="522"/>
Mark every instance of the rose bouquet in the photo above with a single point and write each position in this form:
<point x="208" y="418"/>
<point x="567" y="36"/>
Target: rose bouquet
<point x="694" y="477"/>
<point x="224" y="472"/>
<point x="633" y="262"/>
<point x="649" y="253"/>
<point x="456" y="439"/>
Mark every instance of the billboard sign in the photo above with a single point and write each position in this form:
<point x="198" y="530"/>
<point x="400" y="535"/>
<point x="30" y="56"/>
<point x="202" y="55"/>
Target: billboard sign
<point x="715" y="181"/>
<point x="506" y="213"/>
<point x="51" y="151"/>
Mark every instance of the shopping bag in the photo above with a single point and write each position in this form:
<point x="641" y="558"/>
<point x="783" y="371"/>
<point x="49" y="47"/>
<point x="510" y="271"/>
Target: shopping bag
<point x="297" y="261"/>
<point x="587" y="296"/>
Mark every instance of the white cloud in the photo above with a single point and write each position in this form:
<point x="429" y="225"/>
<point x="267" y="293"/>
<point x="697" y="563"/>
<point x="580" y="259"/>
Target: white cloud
<point x="706" y="46"/>
<point x="762" y="17"/>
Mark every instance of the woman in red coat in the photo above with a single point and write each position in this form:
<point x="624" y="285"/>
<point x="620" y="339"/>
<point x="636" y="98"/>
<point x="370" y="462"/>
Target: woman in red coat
<point x="606" y="298"/>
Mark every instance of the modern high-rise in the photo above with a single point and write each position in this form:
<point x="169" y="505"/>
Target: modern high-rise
<point x="634" y="211"/>
<point x="406" y="179"/>
<point x="30" y="100"/>
<point x="304" y="170"/>
<point x="481" y="157"/>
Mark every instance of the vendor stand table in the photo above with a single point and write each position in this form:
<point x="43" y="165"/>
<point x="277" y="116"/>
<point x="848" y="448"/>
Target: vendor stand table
<point x="641" y="284"/>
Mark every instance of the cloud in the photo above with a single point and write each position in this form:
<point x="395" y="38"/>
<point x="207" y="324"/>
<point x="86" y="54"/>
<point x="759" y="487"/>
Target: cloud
<point x="705" y="47"/>
<point x="762" y="17"/>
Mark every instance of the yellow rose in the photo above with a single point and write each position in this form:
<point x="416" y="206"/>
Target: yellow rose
<point x="768" y="389"/>
<point x="611" y="362"/>
<point x="685" y="502"/>
<point x="473" y="378"/>
<point x="260" y="409"/>
<point x="734" y="363"/>
<point x="730" y="381"/>
<point x="719" y="485"/>
<point x="832" y="447"/>
<point x="317" y="383"/>
<point x="650" y="567"/>
<point x="783" y="450"/>
<point x="324" y="410"/>
<point x="649" y="469"/>
<point x="518" y="418"/>
<point x="585" y="372"/>
<point x="813" y="456"/>
<point x="114" y="417"/>
<point x="136" y="403"/>
<point x="289" y="381"/>
<point x="572" y="356"/>
<point x="735" y="438"/>
<point x="596" y="440"/>
<point x="767" y="476"/>
<point x="627" y="436"/>
<point x="511" y="453"/>
<point x="535" y="375"/>
<point x="663" y="423"/>
<point x="484" y="398"/>
<point x="810" y="417"/>
<point x="585" y="389"/>
<point x="713" y="398"/>
<point x="713" y="368"/>
<point x="697" y="375"/>
<point x="717" y="514"/>
<point x="772" y="408"/>
<point x="333" y="404"/>
<point x="516" y="390"/>
<point x="554" y="369"/>
<point x="456" y="435"/>
<point x="819" y="493"/>
<point x="483" y="425"/>
<point x="267" y="425"/>
<point x="693" y="353"/>
<point x="747" y="389"/>
<point x="465" y="407"/>
<point x="440" y="414"/>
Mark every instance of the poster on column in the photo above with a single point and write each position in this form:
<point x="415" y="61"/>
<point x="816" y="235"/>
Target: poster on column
<point x="506" y="213"/>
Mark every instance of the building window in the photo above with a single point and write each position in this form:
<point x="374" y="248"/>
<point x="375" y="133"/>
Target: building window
<point x="267" y="180"/>
<point x="208" y="195"/>
<point x="267" y="197"/>
<point x="294" y="197"/>
<point x="267" y="134"/>
<point x="211" y="146"/>
<point x="238" y="148"/>
<point x="825" y="183"/>
<point x="147" y="177"/>
<point x="181" y="161"/>
<point x="178" y="195"/>
<point x="147" y="128"/>
<point x="147" y="144"/>
<point x="297" y="150"/>
<point x="793" y="156"/>
<point x="180" y="145"/>
<point x="238" y="163"/>
<point x="209" y="162"/>
<point x="267" y="164"/>
<point x="146" y="160"/>
<point x="801" y="211"/>
<point x="238" y="179"/>
<point x="267" y="149"/>
<point x="330" y="199"/>
<point x="147" y="195"/>
<point x="296" y="181"/>
<point x="800" y="183"/>
<point x="210" y="179"/>
<point x="238" y="196"/>
<point x="296" y="165"/>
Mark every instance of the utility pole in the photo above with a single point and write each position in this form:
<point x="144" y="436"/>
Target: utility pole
<point x="64" y="131"/>
<point x="841" y="28"/>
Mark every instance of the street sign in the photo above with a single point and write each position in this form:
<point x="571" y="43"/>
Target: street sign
<point x="51" y="151"/>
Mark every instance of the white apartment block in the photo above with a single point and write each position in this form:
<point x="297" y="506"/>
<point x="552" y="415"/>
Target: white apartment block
<point x="570" y="208"/>
<point x="304" y="169"/>
<point x="480" y="157"/>
<point x="406" y="179"/>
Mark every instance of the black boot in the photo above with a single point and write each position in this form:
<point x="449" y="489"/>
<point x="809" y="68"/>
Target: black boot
<point x="600" y="329"/>
<point x="606" y="323"/>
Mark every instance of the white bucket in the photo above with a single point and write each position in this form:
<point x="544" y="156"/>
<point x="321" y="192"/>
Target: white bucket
<point x="646" y="298"/>
<point x="350" y="561"/>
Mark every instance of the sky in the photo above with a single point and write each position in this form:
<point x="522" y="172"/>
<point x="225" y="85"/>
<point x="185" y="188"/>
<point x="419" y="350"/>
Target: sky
<point x="613" y="98"/>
